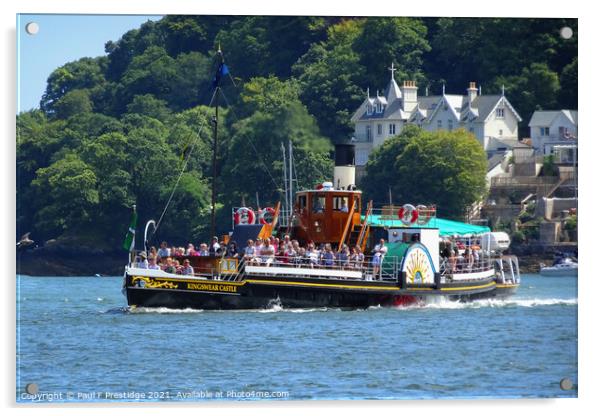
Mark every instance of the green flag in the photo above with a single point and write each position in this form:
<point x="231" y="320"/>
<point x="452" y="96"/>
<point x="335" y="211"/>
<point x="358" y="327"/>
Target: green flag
<point x="130" y="237"/>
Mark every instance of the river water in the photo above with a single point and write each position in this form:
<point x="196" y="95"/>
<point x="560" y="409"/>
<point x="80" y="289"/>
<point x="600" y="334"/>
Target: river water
<point x="78" y="342"/>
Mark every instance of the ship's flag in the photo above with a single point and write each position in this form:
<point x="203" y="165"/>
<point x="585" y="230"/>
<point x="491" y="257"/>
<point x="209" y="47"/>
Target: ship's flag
<point x="222" y="70"/>
<point x="130" y="238"/>
<point x="266" y="230"/>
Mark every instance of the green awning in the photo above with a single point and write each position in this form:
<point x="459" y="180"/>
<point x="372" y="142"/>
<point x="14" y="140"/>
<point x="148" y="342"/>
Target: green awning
<point x="446" y="227"/>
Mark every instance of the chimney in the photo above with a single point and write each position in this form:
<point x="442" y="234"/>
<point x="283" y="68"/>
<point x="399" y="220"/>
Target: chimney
<point x="409" y="95"/>
<point x="472" y="91"/>
<point x="344" y="166"/>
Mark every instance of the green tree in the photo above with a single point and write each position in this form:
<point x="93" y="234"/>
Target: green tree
<point x="150" y="106"/>
<point x="266" y="95"/>
<point x="130" y="45"/>
<point x="442" y="168"/>
<point x="254" y="162"/>
<point x="268" y="45"/>
<point x="152" y="72"/>
<point x="66" y="195"/>
<point x="83" y="74"/>
<point x="73" y="103"/>
<point x="191" y="84"/>
<point x="569" y="89"/>
<point x="536" y="88"/>
<point x="401" y="40"/>
<point x="330" y="75"/>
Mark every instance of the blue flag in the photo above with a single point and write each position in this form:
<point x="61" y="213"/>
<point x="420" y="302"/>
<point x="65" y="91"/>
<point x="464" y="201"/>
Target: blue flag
<point x="222" y="70"/>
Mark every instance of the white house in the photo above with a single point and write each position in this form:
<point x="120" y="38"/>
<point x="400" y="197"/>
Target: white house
<point x="491" y="118"/>
<point x="550" y="129"/>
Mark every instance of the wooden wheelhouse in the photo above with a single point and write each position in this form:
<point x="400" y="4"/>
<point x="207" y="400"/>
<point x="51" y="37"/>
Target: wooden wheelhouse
<point x="328" y="216"/>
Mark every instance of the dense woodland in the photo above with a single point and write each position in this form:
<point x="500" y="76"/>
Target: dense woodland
<point x="116" y="130"/>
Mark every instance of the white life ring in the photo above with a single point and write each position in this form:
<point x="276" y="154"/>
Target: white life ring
<point x="408" y="214"/>
<point x="244" y="215"/>
<point x="266" y="215"/>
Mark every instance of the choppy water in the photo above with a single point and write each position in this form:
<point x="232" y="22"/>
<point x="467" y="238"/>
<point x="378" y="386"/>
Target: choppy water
<point x="77" y="341"/>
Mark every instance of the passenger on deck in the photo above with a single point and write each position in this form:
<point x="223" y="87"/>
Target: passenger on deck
<point x="476" y="257"/>
<point x="290" y="254"/>
<point x="357" y="258"/>
<point x="312" y="255"/>
<point x="232" y="249"/>
<point x="168" y="266"/>
<point x="249" y="253"/>
<point x="267" y="253"/>
<point x="203" y="250"/>
<point x="258" y="246"/>
<point x="152" y="263"/>
<point x="343" y="257"/>
<point x="142" y="262"/>
<point x="163" y="250"/>
<point x="214" y="247"/>
<point x="281" y="253"/>
<point x="380" y="250"/>
<point x="152" y="252"/>
<point x="459" y="260"/>
<point x="344" y="208"/>
<point x="191" y="251"/>
<point x="301" y="258"/>
<point x="327" y="258"/>
<point x="187" y="269"/>
<point x="468" y="258"/>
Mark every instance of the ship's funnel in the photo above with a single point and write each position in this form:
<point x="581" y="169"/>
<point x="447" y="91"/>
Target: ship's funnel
<point x="344" y="166"/>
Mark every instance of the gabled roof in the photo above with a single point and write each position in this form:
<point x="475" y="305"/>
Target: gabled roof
<point x="476" y="111"/>
<point x="453" y="102"/>
<point x="495" y="160"/>
<point x="392" y="92"/>
<point x="546" y="118"/>
<point x="486" y="104"/>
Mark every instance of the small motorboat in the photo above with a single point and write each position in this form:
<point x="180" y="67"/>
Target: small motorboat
<point x="564" y="267"/>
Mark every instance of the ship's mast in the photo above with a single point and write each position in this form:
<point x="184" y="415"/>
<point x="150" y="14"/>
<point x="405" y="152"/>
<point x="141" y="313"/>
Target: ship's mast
<point x="215" y="120"/>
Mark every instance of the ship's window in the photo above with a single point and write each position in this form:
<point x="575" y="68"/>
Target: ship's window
<point x="319" y="203"/>
<point x="302" y="202"/>
<point x="340" y="203"/>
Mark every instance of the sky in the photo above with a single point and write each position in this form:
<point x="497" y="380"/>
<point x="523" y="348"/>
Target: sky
<point x="62" y="38"/>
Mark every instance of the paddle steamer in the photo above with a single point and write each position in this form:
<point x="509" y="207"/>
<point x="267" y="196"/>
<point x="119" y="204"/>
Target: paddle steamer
<point x="412" y="271"/>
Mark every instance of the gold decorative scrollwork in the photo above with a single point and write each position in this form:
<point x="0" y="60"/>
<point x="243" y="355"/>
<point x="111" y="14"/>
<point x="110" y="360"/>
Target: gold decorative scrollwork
<point x="151" y="283"/>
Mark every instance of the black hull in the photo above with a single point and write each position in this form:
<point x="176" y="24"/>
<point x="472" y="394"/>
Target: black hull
<point x="266" y="292"/>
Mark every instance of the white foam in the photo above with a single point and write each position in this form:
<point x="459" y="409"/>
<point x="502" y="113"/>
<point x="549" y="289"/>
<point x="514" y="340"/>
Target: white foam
<point x="163" y="310"/>
<point x="444" y="303"/>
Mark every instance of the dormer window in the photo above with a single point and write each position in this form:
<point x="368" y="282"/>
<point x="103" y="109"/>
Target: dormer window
<point x="368" y="109"/>
<point x="379" y="108"/>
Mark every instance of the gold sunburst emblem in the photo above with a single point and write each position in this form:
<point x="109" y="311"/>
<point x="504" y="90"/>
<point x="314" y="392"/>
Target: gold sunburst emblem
<point x="418" y="268"/>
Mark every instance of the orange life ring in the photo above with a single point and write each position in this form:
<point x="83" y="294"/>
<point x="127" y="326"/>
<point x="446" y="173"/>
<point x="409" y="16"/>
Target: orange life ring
<point x="266" y="211"/>
<point x="408" y="214"/>
<point x="244" y="215"/>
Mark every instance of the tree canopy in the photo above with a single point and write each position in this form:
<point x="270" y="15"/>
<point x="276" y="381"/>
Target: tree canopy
<point x="117" y="129"/>
<point x="444" y="168"/>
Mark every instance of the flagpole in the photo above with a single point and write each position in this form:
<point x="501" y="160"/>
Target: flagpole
<point x="214" y="157"/>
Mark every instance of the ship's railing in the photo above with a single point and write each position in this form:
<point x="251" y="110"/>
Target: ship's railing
<point x="388" y="215"/>
<point x="233" y="268"/>
<point x="367" y="270"/>
<point x="507" y="269"/>
<point x="456" y="266"/>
